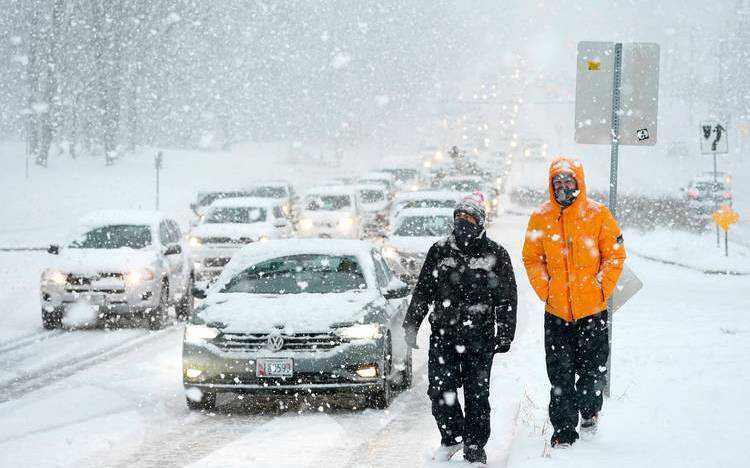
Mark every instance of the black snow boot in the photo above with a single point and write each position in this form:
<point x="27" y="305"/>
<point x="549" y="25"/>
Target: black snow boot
<point x="564" y="438"/>
<point x="589" y="426"/>
<point x="474" y="454"/>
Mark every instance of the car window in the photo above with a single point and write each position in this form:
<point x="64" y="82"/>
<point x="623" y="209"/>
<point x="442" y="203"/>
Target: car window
<point x="277" y="212"/>
<point x="236" y="215"/>
<point x="164" y="237"/>
<point x="427" y="203"/>
<point x="269" y="191"/>
<point x="114" y="237"/>
<point x="424" y="226"/>
<point x="371" y="196"/>
<point x="380" y="274"/>
<point x="296" y="274"/>
<point x="327" y="202"/>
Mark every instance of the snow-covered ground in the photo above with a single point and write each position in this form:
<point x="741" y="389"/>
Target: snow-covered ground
<point x="90" y="398"/>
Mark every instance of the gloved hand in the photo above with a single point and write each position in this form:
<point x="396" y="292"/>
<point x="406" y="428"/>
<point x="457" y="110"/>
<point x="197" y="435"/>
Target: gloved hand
<point x="410" y="335"/>
<point x="501" y="347"/>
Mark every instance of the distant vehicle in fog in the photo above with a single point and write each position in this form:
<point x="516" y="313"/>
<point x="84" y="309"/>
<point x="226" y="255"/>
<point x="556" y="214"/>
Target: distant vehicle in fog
<point x="705" y="195"/>
<point x="229" y="224"/>
<point x="119" y="264"/>
<point x="299" y="318"/>
<point x="412" y="235"/>
<point x="281" y="191"/>
<point x="330" y="211"/>
<point x="406" y="178"/>
<point x="381" y="178"/>
<point x="205" y="198"/>
<point x="374" y="203"/>
<point x="423" y="199"/>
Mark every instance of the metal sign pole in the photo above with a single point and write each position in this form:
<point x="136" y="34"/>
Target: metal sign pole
<point x="716" y="202"/>
<point x="616" y="84"/>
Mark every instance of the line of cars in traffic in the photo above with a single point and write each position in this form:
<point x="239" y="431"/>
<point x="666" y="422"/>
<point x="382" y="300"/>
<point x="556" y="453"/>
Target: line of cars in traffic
<point x="298" y="294"/>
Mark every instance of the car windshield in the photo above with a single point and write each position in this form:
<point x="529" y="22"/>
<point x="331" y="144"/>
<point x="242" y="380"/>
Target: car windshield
<point x="206" y="198"/>
<point x="327" y="202"/>
<point x="269" y="191"/>
<point x="384" y="182"/>
<point x="114" y="236"/>
<point x="236" y="215"/>
<point x="371" y="196"/>
<point x="405" y="174"/>
<point x="430" y="204"/>
<point x="424" y="226"/>
<point x="296" y="274"/>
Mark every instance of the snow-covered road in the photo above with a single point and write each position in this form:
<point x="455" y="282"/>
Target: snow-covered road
<point x="114" y="398"/>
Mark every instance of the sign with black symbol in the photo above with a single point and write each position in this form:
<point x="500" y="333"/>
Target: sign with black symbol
<point x="714" y="138"/>
<point x="638" y="98"/>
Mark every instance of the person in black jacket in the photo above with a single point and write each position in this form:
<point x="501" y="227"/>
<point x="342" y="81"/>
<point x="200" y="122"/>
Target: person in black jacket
<point x="468" y="288"/>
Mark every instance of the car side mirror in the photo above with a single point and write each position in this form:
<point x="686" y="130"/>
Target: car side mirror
<point x="396" y="289"/>
<point x="173" y="249"/>
<point x="199" y="293"/>
<point x="53" y="249"/>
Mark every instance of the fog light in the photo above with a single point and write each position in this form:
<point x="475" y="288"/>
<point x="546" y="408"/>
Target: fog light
<point x="193" y="373"/>
<point x="368" y="371"/>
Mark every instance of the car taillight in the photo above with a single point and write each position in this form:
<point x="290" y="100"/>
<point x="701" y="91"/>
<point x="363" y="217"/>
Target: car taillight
<point x="692" y="193"/>
<point x="727" y="195"/>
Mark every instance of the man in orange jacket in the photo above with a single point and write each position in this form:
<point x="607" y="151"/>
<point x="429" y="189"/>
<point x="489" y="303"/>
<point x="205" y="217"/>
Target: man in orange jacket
<point x="573" y="254"/>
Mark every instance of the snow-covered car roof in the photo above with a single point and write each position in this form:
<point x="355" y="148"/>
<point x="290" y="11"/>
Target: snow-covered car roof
<point x="109" y="217"/>
<point x="475" y="178"/>
<point x="332" y="190"/>
<point x="240" y="202"/>
<point x="409" y="212"/>
<point x="429" y="195"/>
<point x="262" y="251"/>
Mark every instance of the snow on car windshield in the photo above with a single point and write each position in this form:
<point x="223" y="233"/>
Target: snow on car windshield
<point x="424" y="226"/>
<point x="268" y="192"/>
<point x="114" y="237"/>
<point x="371" y="196"/>
<point x="236" y="215"/>
<point x="296" y="274"/>
<point x="327" y="202"/>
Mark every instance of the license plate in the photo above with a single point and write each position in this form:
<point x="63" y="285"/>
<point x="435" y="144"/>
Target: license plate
<point x="274" y="367"/>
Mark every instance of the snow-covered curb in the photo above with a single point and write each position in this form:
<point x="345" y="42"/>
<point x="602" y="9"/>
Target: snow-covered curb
<point x="694" y="251"/>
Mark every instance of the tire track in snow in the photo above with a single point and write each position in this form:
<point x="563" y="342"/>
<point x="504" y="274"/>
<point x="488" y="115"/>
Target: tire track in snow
<point x="27" y="340"/>
<point x="56" y="371"/>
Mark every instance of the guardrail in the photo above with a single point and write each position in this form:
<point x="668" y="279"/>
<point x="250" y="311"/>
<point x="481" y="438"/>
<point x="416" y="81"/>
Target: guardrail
<point x="23" y="249"/>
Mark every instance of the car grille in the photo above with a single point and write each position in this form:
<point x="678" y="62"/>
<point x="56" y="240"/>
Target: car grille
<point x="228" y="240"/>
<point x="216" y="262"/>
<point x="78" y="283"/>
<point x="307" y="342"/>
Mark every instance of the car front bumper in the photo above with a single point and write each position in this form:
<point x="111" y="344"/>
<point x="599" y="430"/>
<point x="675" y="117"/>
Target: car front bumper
<point x="117" y="299"/>
<point x="327" y="371"/>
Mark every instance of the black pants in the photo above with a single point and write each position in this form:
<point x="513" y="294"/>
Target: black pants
<point x="453" y="365"/>
<point x="575" y="349"/>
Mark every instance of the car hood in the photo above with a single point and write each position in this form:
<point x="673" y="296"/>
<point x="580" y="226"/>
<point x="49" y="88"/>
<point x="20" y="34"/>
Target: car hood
<point x="92" y="261"/>
<point x="326" y="215"/>
<point x="262" y="313"/>
<point x="412" y="245"/>
<point x="232" y="230"/>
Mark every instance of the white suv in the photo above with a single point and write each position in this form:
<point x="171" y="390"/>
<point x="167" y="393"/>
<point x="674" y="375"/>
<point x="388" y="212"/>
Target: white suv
<point x="118" y="264"/>
<point x="330" y="212"/>
<point x="230" y="224"/>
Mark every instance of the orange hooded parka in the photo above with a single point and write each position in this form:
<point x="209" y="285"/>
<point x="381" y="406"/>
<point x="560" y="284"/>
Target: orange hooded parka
<point x="573" y="256"/>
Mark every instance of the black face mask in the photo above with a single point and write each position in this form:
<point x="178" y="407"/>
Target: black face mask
<point x="565" y="197"/>
<point x="465" y="232"/>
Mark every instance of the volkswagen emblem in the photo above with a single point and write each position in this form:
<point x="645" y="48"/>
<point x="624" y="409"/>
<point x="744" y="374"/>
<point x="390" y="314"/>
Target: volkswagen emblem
<point x="275" y="342"/>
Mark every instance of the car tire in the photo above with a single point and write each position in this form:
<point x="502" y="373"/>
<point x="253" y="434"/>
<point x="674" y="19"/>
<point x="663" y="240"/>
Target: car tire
<point x="184" y="308"/>
<point x="381" y="397"/>
<point x="158" y="316"/>
<point x="52" y="320"/>
<point x="207" y="402"/>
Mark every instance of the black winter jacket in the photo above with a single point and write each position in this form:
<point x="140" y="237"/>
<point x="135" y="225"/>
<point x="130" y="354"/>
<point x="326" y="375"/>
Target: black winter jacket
<point x="470" y="294"/>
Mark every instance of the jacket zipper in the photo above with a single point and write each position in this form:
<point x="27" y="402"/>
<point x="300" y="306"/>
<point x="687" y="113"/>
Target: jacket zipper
<point x="568" y="259"/>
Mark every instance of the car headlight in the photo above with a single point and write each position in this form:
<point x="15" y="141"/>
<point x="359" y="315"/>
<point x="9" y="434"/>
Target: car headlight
<point x="54" y="276"/>
<point x="139" y="276"/>
<point x="286" y="209"/>
<point x="363" y="331"/>
<point x="346" y="223"/>
<point x="390" y="252"/>
<point x="306" y="224"/>
<point x="263" y="238"/>
<point x="414" y="188"/>
<point x="195" y="242"/>
<point x="200" y="333"/>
